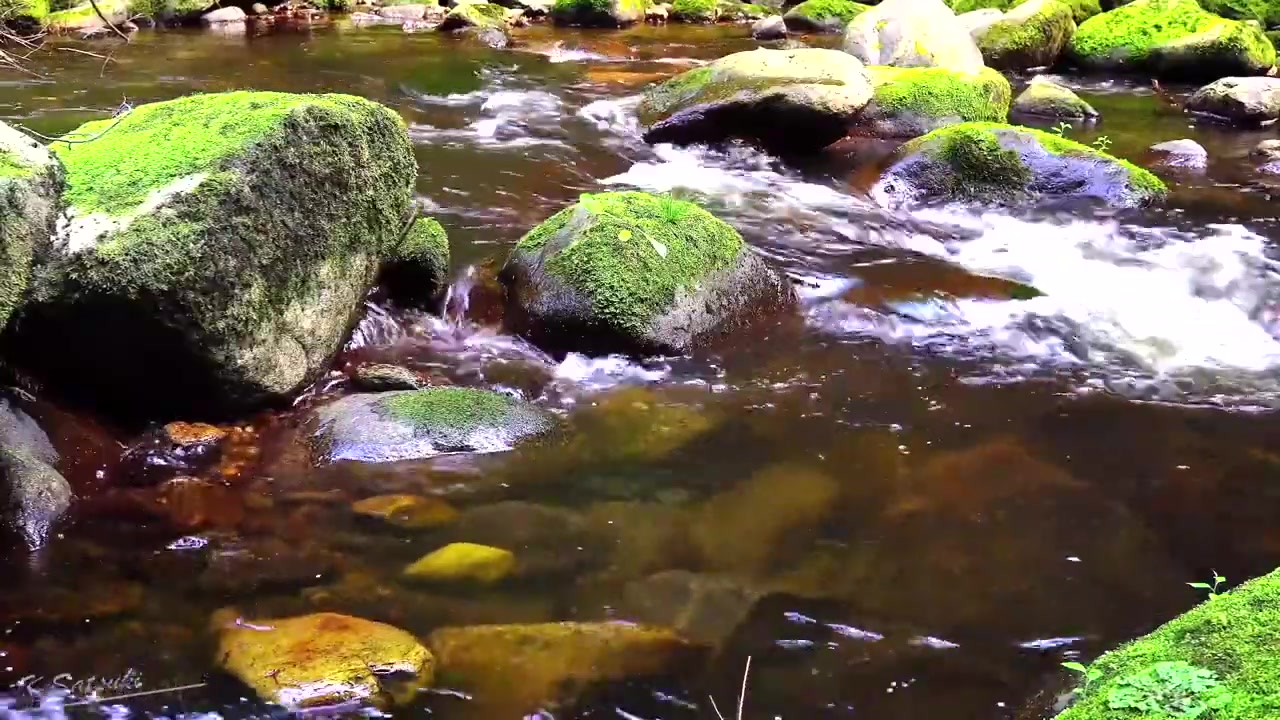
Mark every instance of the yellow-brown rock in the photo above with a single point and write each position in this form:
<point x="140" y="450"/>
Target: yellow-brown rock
<point x="516" y="669"/>
<point x="462" y="562"/>
<point x="184" y="434"/>
<point x="414" y="512"/>
<point x="325" y="658"/>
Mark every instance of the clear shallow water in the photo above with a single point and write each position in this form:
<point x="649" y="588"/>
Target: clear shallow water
<point x="947" y="487"/>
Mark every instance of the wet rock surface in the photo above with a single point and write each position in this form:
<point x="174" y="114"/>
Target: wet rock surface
<point x="33" y="495"/>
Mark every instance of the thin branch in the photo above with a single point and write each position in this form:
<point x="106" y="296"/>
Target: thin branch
<point x="742" y="695"/>
<point x="110" y="24"/>
<point x="82" y="52"/>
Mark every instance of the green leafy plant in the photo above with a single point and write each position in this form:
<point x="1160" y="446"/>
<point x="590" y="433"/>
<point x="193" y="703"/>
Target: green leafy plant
<point x="1102" y="143"/>
<point x="1089" y="674"/>
<point x="1061" y="128"/>
<point x="1211" y="589"/>
<point x="1175" y="689"/>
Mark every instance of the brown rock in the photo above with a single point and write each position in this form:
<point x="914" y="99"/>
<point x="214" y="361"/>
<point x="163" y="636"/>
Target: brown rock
<point x="415" y="512"/>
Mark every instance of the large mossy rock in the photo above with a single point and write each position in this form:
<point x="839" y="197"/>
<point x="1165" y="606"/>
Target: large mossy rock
<point x="784" y="100"/>
<point x="695" y="11"/>
<point x="30" y="182"/>
<point x="598" y="13"/>
<point x="1243" y="101"/>
<point x="1264" y="12"/>
<point x="909" y="102"/>
<point x="1233" y="639"/>
<point x="412" y="424"/>
<point x="475" y="15"/>
<point x="32" y="493"/>
<point x="912" y="33"/>
<point x="633" y="272"/>
<point x="1045" y="99"/>
<point x="1032" y="34"/>
<point x="325" y="659"/>
<point x="227" y="241"/>
<point x="1170" y="38"/>
<point x="513" y="670"/>
<point x="1081" y="10"/>
<point x="989" y="162"/>
<point x="84" y="17"/>
<point x="823" y="16"/>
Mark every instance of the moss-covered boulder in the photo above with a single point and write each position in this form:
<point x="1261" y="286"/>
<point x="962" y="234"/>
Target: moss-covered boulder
<point x="324" y="659"/>
<point x="513" y="670"/>
<point x="1264" y="12"/>
<point x="1043" y="98"/>
<point x="823" y="16"/>
<point x="417" y="268"/>
<point x="784" y="100"/>
<point x="695" y="11"/>
<point x="30" y="181"/>
<point x="1032" y="34"/>
<point x="989" y="162"/>
<point x="409" y="424"/>
<point x="598" y="13"/>
<point x="633" y="272"/>
<point x="462" y="562"/>
<point x="32" y="493"/>
<point x="912" y="33"/>
<point x="1239" y="100"/>
<point x="475" y="14"/>
<point x="909" y="102"/>
<point x="84" y="17"/>
<point x="228" y="240"/>
<point x="1220" y="659"/>
<point x="1081" y="10"/>
<point x="24" y="15"/>
<point x="735" y="11"/>
<point x="1170" y="38"/>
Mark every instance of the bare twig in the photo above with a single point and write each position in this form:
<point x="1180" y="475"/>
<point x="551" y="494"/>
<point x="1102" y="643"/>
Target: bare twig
<point x="110" y="24"/>
<point x="742" y="694"/>
<point x="120" y="114"/>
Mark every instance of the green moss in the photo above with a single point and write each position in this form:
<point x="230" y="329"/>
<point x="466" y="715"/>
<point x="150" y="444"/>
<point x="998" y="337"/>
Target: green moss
<point x="156" y="144"/>
<point x="937" y="92"/>
<point x="426" y="242"/>
<point x="605" y="13"/>
<point x="1136" y="33"/>
<point x="1024" y="42"/>
<point x="614" y="257"/>
<point x="694" y="10"/>
<point x="483" y="13"/>
<point x="963" y="6"/>
<point x="11" y="166"/>
<point x="822" y="11"/>
<point x="455" y="408"/>
<point x="710" y="84"/>
<point x="18" y="11"/>
<point x="1081" y="10"/>
<point x="1265" y="12"/>
<point x="1236" y="636"/>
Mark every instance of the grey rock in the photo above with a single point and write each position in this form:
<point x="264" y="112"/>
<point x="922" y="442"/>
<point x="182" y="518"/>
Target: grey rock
<point x="977" y="21"/>
<point x="770" y="28"/>
<point x="913" y="33"/>
<point x="1268" y="150"/>
<point x="1045" y="98"/>
<point x="414" y="11"/>
<point x="32" y="493"/>
<point x="1182" y="153"/>
<point x="223" y="15"/>
<point x="1240" y="100"/>
<point x="259" y="9"/>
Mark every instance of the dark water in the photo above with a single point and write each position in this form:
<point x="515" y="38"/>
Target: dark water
<point x="944" y="492"/>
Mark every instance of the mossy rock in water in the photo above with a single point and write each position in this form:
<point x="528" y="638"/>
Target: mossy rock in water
<point x="513" y="670"/>
<point x="598" y="13"/>
<point x="30" y="182"/>
<point x="475" y="14"/>
<point x="1170" y="38"/>
<point x="1081" y="10"/>
<point x="226" y="240"/>
<point x="909" y="102"/>
<point x="325" y="659"/>
<point x="695" y="11"/>
<point x="784" y="100"/>
<point x="1264" y="12"/>
<point x="823" y="16"/>
<point x="734" y="11"/>
<point x="1234" y="639"/>
<point x="33" y="496"/>
<point x="1046" y="99"/>
<point x="990" y="162"/>
<point x="1032" y="34"/>
<point x="913" y="33"/>
<point x="633" y="272"/>
<point x="403" y="425"/>
<point x="417" y="267"/>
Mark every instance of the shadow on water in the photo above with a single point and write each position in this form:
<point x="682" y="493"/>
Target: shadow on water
<point x="990" y="442"/>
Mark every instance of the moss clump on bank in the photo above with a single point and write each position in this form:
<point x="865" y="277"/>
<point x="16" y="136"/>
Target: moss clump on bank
<point x="598" y="13"/>
<point x="456" y="408"/>
<point x="1236" y="637"/>
<point x="937" y="93"/>
<point x="1022" y="40"/>
<point x="24" y="11"/>
<point x="634" y="253"/>
<point x="695" y="11"/>
<point x="823" y="15"/>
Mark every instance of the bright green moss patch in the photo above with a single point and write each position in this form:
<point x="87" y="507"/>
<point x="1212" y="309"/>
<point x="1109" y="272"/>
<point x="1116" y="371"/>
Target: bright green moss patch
<point x="1020" y="41"/>
<point x="157" y="144"/>
<point x="1235" y="638"/>
<point x="1081" y="10"/>
<point x="482" y="14"/>
<point x="630" y="253"/>
<point x="826" y="11"/>
<point x="937" y="92"/>
<point x="455" y="408"/>
<point x="24" y="10"/>
<point x="694" y="10"/>
<point x="426" y="242"/>
<point x="1266" y="12"/>
<point x="11" y="165"/>
<point x="963" y="6"/>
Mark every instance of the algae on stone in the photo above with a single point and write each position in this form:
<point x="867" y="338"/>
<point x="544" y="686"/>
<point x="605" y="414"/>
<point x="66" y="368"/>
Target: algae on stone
<point x="695" y="11"/>
<point x="475" y="14"/>
<point x="823" y="16"/>
<point x="1171" y="38"/>
<point x="463" y="562"/>
<point x="909" y="102"/>
<point x="417" y="269"/>
<point x="1235" y="636"/>
<point x="1031" y="35"/>
<point x="1264" y="12"/>
<point x="598" y="13"/>
<point x="1045" y="98"/>
<point x="30" y="181"/>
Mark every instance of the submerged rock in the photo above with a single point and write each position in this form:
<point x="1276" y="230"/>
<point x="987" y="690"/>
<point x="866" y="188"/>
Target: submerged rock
<point x="1182" y="153"/>
<point x="30" y="181"/>
<point x="784" y="100"/>
<point x="1032" y="34"/>
<point x="32" y="493"/>
<point x="909" y="102"/>
<point x="703" y="608"/>
<point x="1239" y="100"/>
<point x="403" y="425"/>
<point x="462" y="562"/>
<point x="381" y="377"/>
<point x="1044" y="98"/>
<point x="632" y="272"/>
<point x="988" y="162"/>
<point x="412" y="512"/>
<point x="1170" y="38"/>
<point x="913" y="33"/>
<point x="512" y="670"/>
<point x="227" y="239"/>
<point x="598" y="13"/>
<point x="325" y="659"/>
<point x="769" y="28"/>
<point x="823" y="16"/>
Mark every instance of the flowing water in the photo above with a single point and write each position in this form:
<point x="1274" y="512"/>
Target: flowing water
<point x="944" y="484"/>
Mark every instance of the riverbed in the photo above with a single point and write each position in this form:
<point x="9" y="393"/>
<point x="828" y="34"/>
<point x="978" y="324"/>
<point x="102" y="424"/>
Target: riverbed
<point x="940" y="488"/>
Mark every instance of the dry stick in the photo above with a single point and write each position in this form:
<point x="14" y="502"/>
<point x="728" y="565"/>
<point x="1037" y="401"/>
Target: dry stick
<point x="742" y="694"/>
<point x="111" y="25"/>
